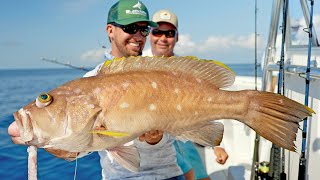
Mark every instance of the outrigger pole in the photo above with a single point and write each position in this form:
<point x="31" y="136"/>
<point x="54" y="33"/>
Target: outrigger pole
<point x="303" y="160"/>
<point x="65" y="64"/>
<point x="277" y="163"/>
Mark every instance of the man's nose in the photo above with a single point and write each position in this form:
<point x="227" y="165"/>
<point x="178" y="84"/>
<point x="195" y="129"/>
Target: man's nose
<point x="163" y="37"/>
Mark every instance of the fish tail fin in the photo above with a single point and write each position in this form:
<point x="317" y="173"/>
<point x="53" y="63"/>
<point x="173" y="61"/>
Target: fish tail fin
<point x="275" y="117"/>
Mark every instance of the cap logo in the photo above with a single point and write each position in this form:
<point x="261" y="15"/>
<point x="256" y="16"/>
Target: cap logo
<point x="137" y="10"/>
<point x="138" y="5"/>
<point x="165" y="15"/>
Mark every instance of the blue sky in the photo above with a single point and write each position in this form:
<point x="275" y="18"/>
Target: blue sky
<point x="74" y="30"/>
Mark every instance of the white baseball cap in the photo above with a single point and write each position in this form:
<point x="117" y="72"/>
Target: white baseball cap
<point x="165" y="16"/>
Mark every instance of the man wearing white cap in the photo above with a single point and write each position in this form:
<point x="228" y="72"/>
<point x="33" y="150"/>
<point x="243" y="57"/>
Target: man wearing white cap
<point x="163" y="40"/>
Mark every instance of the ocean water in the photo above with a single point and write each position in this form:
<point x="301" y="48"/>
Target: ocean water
<point x="18" y="88"/>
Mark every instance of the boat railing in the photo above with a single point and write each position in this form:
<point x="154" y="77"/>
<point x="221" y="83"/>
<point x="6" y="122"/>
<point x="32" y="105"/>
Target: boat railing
<point x="297" y="69"/>
<point x="295" y="63"/>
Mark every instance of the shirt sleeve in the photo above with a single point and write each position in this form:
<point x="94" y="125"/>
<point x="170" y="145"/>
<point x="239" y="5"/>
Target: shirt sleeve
<point x="183" y="163"/>
<point x="94" y="72"/>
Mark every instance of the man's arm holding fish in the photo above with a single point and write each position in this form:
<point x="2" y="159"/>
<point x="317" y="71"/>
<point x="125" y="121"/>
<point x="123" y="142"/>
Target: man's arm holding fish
<point x="221" y="154"/>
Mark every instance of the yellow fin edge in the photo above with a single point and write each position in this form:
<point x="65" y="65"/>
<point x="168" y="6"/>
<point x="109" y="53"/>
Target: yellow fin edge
<point x="109" y="133"/>
<point x="108" y="61"/>
<point x="311" y="111"/>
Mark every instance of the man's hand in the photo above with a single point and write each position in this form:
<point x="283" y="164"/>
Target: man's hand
<point x="221" y="155"/>
<point x="152" y="137"/>
<point x="13" y="131"/>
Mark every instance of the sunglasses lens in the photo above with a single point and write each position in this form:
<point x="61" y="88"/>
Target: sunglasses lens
<point x="168" y="34"/>
<point x="134" y="28"/>
<point x="145" y="33"/>
<point x="157" y="32"/>
<point x="130" y="29"/>
<point x="144" y="30"/>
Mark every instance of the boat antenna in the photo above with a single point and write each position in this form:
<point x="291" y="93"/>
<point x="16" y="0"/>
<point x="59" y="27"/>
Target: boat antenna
<point x="65" y="64"/>
<point x="255" y="48"/>
<point x="303" y="160"/>
<point x="277" y="163"/>
<point x="255" y="159"/>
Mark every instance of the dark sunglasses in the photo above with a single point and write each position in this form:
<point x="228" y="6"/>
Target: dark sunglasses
<point x="168" y="33"/>
<point x="134" y="28"/>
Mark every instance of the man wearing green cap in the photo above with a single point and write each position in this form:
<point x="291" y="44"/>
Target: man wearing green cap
<point x="125" y="19"/>
<point x="127" y="27"/>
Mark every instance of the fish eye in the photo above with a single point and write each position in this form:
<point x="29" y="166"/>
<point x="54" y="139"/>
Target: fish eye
<point x="43" y="100"/>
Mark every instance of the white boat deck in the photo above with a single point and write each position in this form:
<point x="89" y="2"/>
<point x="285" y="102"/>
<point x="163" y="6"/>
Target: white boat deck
<point x="238" y="140"/>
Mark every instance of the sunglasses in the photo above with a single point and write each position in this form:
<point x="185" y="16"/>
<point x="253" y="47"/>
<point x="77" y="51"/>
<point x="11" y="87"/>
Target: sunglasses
<point x="133" y="29"/>
<point x="168" y="33"/>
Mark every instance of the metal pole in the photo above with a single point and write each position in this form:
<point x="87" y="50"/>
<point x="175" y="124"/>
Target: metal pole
<point x="271" y="46"/>
<point x="306" y="14"/>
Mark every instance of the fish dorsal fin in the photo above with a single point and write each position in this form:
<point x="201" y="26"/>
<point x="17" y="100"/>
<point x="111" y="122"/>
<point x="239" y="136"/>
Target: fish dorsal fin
<point x="127" y="156"/>
<point x="209" y="134"/>
<point x="212" y="72"/>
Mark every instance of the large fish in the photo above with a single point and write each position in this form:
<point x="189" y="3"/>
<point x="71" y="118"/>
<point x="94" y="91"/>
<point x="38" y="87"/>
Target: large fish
<point x="131" y="96"/>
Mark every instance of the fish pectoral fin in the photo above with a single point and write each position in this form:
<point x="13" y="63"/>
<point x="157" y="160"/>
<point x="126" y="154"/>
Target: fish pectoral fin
<point x="126" y="156"/>
<point x="109" y="133"/>
<point x="210" y="134"/>
<point x="66" y="155"/>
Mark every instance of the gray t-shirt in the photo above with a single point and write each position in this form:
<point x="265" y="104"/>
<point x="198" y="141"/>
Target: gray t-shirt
<point x="157" y="161"/>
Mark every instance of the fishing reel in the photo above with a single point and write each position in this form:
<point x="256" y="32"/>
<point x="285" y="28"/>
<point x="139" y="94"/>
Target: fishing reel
<point x="263" y="171"/>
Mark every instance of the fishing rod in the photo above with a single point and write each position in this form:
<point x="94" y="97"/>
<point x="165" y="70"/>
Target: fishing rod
<point x="277" y="162"/>
<point x="283" y="175"/>
<point x="65" y="64"/>
<point x="255" y="159"/>
<point x="303" y="160"/>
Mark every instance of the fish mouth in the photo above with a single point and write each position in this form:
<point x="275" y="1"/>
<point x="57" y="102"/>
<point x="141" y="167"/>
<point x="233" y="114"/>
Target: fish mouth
<point x="24" y="124"/>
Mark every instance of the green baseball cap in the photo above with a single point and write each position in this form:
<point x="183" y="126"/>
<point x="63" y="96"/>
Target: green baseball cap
<point x="126" y="12"/>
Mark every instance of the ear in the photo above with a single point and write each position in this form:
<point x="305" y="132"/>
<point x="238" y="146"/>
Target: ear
<point x="177" y="37"/>
<point x="109" y="29"/>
